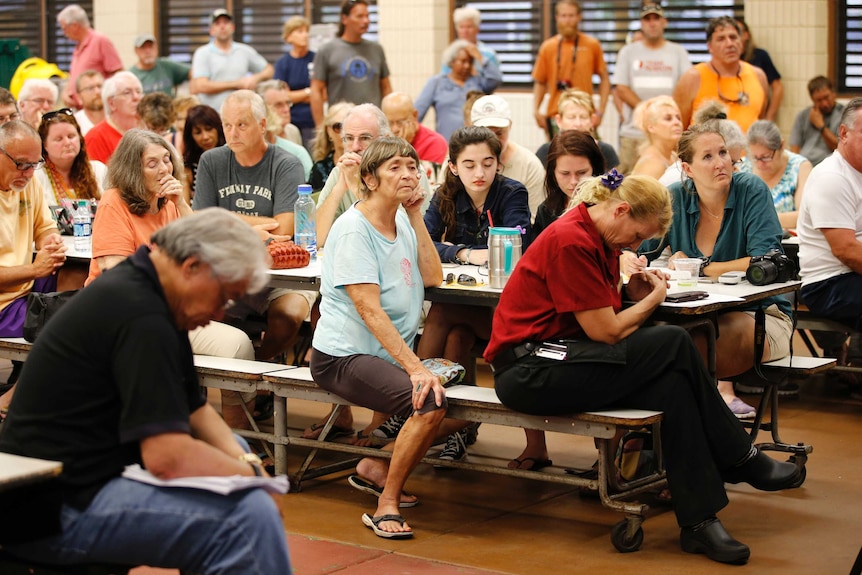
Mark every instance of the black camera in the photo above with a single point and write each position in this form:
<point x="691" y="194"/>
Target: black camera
<point x="771" y="267"/>
<point x="563" y="85"/>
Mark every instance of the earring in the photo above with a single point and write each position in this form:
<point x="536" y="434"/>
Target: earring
<point x="454" y="173"/>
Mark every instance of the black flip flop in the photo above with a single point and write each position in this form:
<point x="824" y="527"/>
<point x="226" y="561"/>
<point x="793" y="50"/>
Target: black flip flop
<point x="374" y="522"/>
<point x="370" y="488"/>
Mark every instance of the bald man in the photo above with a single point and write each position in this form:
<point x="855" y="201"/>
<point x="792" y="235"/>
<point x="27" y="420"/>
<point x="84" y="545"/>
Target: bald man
<point x="402" y="116"/>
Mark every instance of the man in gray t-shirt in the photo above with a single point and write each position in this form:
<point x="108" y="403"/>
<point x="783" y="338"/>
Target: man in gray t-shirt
<point x="644" y="70"/>
<point x="348" y="68"/>
<point x="258" y="182"/>
<point x="815" y="129"/>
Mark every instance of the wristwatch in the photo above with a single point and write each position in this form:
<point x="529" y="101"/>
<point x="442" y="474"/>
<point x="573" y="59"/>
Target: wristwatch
<point x="458" y="248"/>
<point x="255" y="462"/>
<point x="821" y="128"/>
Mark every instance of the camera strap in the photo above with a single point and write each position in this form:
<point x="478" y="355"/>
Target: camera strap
<point x="574" y="58"/>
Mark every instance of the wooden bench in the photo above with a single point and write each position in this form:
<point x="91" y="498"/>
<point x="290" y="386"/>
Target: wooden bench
<point x="474" y="404"/>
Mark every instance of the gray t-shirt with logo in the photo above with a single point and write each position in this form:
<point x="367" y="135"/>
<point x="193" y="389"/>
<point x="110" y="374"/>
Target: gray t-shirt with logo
<point x="266" y="189"/>
<point x="648" y="73"/>
<point x="352" y="72"/>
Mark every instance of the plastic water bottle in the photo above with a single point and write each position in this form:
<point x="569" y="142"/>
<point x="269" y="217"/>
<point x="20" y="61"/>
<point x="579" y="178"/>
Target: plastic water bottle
<point x="83" y="228"/>
<point x="305" y="221"/>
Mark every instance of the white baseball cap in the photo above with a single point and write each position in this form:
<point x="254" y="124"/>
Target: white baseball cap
<point x="491" y="112"/>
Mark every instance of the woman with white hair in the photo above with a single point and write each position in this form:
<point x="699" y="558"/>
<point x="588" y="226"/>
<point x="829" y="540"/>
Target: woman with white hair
<point x="783" y="171"/>
<point x="447" y="92"/>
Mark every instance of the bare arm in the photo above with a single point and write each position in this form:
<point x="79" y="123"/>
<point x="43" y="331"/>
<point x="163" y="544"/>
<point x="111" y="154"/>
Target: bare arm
<point x="539" y="91"/>
<point x="845" y="247"/>
<point x="285" y="224"/>
<point x="202" y="85"/>
<point x="208" y="426"/>
<point x="173" y="455"/>
<point x="318" y="97"/>
<point x="603" y="325"/>
<point x="385" y="87"/>
<point x="764" y="85"/>
<point x="429" y="261"/>
<point x="775" y="99"/>
<point x="684" y="93"/>
<point x="789" y="219"/>
<point x="604" y="93"/>
<point x="348" y="178"/>
<point x="50" y="256"/>
<point x="627" y="95"/>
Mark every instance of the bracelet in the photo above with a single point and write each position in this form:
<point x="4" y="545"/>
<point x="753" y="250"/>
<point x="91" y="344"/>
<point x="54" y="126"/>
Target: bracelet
<point x="821" y="128"/>
<point x="250" y="458"/>
<point x="308" y="91"/>
<point x="258" y="472"/>
<point x="703" y="265"/>
<point x="469" y="251"/>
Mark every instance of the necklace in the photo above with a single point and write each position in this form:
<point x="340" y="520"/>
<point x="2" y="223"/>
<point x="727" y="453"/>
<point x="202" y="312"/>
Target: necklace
<point x="702" y="205"/>
<point x="58" y="183"/>
<point x="741" y="97"/>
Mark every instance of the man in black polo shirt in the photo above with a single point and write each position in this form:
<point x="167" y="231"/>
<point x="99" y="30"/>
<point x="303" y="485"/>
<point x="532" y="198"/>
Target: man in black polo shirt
<point x="111" y="382"/>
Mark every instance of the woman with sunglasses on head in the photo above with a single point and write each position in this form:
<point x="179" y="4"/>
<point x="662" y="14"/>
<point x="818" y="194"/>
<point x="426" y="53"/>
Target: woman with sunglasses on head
<point x="68" y="172"/>
<point x="202" y="131"/>
<point x="610" y="360"/>
<point x="724" y="218"/>
<point x="327" y="147"/>
<point x="458" y="220"/>
<point x="783" y="171"/>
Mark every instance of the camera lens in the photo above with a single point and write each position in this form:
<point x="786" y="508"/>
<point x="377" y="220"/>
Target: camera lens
<point x="761" y="273"/>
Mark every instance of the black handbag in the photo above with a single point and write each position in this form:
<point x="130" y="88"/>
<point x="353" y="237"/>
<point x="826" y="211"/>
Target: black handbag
<point x="40" y="308"/>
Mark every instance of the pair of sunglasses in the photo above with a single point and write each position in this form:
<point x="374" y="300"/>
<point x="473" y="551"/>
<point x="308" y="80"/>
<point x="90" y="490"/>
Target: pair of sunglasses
<point x="463" y="280"/>
<point x="54" y="113"/>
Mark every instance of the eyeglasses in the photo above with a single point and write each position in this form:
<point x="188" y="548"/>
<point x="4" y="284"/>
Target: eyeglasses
<point x="737" y="164"/>
<point x="363" y="139"/>
<point x="463" y="280"/>
<point x="766" y="158"/>
<point x="24" y="166"/>
<point x="90" y="88"/>
<point x="336" y="127"/>
<point x="10" y="117"/>
<point x="40" y="101"/>
<point x="129" y="92"/>
<point x="402" y="122"/>
<point x="48" y="116"/>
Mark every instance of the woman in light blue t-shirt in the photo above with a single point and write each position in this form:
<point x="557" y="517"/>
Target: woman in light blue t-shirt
<point x="378" y="262"/>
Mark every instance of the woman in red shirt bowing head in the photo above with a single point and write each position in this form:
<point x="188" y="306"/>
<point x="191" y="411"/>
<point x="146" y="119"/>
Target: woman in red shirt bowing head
<point x="609" y="360"/>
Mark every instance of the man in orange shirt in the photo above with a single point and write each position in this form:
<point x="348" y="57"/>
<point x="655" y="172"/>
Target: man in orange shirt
<point x="568" y="60"/>
<point x="726" y="77"/>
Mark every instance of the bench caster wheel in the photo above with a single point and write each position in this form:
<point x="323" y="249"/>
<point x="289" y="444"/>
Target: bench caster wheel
<point x="620" y="539"/>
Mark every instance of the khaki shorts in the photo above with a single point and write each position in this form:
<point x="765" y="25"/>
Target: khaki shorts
<point x="779" y="330"/>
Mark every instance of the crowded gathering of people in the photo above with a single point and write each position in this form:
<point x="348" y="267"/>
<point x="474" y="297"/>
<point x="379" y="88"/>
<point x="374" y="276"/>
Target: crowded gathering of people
<point x="193" y="168"/>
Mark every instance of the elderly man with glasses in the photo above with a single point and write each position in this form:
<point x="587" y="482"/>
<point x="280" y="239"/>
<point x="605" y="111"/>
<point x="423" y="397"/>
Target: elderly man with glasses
<point x="24" y="219"/>
<point x="37" y="96"/>
<point x="120" y="95"/>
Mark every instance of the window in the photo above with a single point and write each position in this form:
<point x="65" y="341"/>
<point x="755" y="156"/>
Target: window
<point x="848" y="46"/>
<point x="184" y="24"/>
<point x="516" y="30"/>
<point x="34" y="24"/>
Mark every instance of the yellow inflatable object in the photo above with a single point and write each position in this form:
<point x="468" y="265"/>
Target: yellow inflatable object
<point x="34" y="68"/>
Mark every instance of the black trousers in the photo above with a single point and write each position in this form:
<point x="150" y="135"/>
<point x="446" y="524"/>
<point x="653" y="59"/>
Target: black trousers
<point x="663" y="372"/>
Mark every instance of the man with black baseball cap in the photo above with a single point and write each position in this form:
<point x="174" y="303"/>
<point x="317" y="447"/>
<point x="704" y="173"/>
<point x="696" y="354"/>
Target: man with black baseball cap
<point x="157" y="74"/>
<point x="223" y="65"/>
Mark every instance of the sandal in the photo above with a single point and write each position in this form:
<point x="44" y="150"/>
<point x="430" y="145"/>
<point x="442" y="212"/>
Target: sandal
<point x="373" y="523"/>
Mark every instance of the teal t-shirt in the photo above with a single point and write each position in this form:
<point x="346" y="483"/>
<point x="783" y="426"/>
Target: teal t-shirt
<point x="356" y="253"/>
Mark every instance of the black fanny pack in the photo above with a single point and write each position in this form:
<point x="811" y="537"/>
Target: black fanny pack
<point x="567" y="350"/>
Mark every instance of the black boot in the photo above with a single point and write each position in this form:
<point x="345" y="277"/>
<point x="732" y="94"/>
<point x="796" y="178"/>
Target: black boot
<point x="709" y="537"/>
<point x="764" y="473"/>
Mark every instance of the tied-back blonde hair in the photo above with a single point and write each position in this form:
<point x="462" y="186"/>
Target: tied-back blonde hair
<point x="646" y="197"/>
